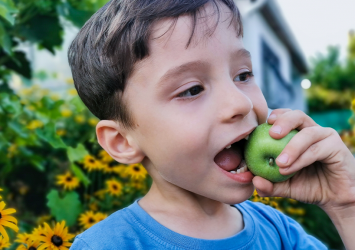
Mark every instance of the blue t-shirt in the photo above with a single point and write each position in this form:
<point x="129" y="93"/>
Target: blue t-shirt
<point x="133" y="228"/>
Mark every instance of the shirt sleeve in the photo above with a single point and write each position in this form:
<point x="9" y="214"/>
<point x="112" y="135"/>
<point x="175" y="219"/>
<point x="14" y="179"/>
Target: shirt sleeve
<point x="80" y="244"/>
<point x="297" y="236"/>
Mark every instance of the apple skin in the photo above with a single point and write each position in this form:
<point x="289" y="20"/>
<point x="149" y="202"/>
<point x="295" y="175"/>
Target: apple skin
<point x="260" y="148"/>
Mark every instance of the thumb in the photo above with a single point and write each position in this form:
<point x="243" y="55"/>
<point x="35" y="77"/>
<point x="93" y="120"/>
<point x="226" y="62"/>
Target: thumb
<point x="266" y="188"/>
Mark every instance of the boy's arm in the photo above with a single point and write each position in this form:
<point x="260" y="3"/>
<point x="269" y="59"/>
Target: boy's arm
<point x="325" y="170"/>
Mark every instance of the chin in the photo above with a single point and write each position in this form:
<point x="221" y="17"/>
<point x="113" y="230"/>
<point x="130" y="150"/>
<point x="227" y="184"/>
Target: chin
<point x="237" y="196"/>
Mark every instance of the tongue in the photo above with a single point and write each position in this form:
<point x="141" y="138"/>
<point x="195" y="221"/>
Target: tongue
<point x="228" y="159"/>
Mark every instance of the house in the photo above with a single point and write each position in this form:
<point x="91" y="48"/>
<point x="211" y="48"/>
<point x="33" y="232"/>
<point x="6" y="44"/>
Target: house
<point x="278" y="62"/>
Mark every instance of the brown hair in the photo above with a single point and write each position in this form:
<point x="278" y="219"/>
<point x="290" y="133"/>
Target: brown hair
<point x="105" y="50"/>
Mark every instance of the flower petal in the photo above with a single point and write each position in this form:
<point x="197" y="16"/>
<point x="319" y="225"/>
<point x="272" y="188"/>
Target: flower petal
<point x="10" y="225"/>
<point x="8" y="211"/>
<point x="2" y="205"/>
<point x="4" y="233"/>
<point x="9" y="218"/>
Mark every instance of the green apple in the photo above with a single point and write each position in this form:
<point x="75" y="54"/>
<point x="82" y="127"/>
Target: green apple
<point x="261" y="150"/>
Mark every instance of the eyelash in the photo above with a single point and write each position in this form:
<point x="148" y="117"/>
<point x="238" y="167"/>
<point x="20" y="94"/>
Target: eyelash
<point x="249" y="74"/>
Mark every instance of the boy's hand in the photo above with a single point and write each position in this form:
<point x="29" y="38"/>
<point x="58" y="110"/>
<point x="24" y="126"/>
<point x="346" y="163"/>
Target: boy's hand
<point x="326" y="167"/>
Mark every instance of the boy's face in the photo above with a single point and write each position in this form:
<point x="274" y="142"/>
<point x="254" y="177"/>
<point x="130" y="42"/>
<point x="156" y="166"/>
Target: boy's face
<point x="190" y="103"/>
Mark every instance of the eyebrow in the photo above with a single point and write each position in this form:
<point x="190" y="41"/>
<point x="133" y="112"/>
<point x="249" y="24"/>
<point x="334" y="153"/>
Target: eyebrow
<point x="190" y="66"/>
<point x="241" y="53"/>
<point x="181" y="69"/>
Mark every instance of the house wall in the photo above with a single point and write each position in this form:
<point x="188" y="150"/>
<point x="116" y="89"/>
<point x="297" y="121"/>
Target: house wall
<point x="256" y="30"/>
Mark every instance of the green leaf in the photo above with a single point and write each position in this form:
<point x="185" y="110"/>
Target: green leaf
<point x="3" y="142"/>
<point x="10" y="103"/>
<point x="18" y="128"/>
<point x="7" y="8"/>
<point x="77" y="154"/>
<point x="78" y="104"/>
<point x="48" y="134"/>
<point x="19" y="64"/>
<point x="80" y="174"/>
<point x="43" y="29"/>
<point x="5" y="40"/>
<point x="65" y="208"/>
<point x="37" y="161"/>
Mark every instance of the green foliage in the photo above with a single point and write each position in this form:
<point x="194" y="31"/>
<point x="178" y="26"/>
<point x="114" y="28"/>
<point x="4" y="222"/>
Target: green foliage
<point x="333" y="82"/>
<point x="67" y="207"/>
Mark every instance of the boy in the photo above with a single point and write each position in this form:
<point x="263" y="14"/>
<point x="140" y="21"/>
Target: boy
<point x="173" y="87"/>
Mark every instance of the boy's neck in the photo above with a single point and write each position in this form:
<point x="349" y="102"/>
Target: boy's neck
<point x="192" y="215"/>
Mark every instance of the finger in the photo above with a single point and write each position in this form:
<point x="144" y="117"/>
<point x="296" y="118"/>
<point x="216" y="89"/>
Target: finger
<point x="316" y="152"/>
<point x="276" y="113"/>
<point x="288" y="121"/>
<point x="300" y="143"/>
<point x="266" y="188"/>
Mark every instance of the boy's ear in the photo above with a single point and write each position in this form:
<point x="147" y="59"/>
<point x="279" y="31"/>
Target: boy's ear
<point x="118" y="143"/>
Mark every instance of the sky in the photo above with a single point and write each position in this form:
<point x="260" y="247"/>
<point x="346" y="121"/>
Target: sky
<point x="317" y="24"/>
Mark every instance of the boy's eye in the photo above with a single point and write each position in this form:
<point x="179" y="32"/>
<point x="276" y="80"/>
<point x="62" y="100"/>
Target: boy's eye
<point x="195" y="90"/>
<point x="244" y="77"/>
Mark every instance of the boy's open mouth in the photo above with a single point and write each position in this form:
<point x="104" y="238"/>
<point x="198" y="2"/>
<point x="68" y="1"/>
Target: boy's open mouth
<point x="232" y="159"/>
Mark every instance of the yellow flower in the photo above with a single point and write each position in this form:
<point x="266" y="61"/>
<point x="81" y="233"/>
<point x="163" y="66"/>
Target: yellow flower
<point x="87" y="219"/>
<point x="114" y="187"/>
<point x="43" y="218"/>
<point x="72" y="92"/>
<point x="6" y="220"/>
<point x="66" y="112"/>
<point x="100" y="216"/>
<point x="121" y="171"/>
<point x="55" y="97"/>
<point x="137" y="184"/>
<point x="61" y="132"/>
<point x="100" y="193"/>
<point x="31" y="107"/>
<point x="112" y="167"/>
<point x="37" y="232"/>
<point x="30" y="245"/>
<point x="91" y="163"/>
<point x="93" y="121"/>
<point x="105" y="157"/>
<point x="68" y="181"/>
<point x="55" y="239"/>
<point x="136" y="171"/>
<point x="12" y="150"/>
<point x="93" y="206"/>
<point x="23" y="238"/>
<point x="79" y="119"/>
<point x="69" y="80"/>
<point x="34" y="124"/>
<point x="4" y="243"/>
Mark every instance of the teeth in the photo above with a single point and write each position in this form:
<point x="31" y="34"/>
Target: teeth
<point x="243" y="168"/>
<point x="228" y="146"/>
<point x="247" y="137"/>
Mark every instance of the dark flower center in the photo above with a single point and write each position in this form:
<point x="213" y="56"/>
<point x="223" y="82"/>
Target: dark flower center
<point x="112" y="164"/>
<point x="114" y="187"/>
<point x="0" y="216"/>
<point x="136" y="168"/>
<point x="92" y="160"/>
<point x="91" y="220"/>
<point x="69" y="179"/>
<point x="57" y="240"/>
<point x="32" y="248"/>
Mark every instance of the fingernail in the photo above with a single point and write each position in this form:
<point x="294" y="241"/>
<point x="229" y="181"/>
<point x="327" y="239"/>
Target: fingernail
<point x="276" y="129"/>
<point x="272" y="117"/>
<point x="283" y="158"/>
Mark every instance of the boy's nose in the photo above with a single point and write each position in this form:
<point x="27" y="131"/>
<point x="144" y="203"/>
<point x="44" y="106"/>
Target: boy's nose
<point x="234" y="103"/>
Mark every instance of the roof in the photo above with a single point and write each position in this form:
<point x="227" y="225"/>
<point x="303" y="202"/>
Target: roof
<point x="273" y="15"/>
